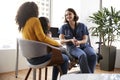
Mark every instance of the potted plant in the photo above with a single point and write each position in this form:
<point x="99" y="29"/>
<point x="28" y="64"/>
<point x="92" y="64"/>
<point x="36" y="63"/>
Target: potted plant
<point x="108" y="29"/>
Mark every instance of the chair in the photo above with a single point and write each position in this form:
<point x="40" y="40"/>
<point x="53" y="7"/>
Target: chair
<point x="99" y="56"/>
<point x="31" y="49"/>
<point x="74" y="60"/>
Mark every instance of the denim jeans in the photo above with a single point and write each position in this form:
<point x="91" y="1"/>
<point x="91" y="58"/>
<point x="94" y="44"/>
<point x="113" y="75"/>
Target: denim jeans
<point x="39" y="60"/>
<point x="86" y="57"/>
<point x="64" y="67"/>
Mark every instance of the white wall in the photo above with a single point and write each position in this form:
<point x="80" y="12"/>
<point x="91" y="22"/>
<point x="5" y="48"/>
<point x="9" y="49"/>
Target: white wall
<point x="117" y="63"/>
<point x="88" y="7"/>
<point x="84" y="8"/>
<point x="8" y="61"/>
<point x="58" y="10"/>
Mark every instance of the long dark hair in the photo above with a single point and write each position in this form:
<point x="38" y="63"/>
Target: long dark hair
<point x="44" y="22"/>
<point x="26" y="11"/>
<point x="75" y="15"/>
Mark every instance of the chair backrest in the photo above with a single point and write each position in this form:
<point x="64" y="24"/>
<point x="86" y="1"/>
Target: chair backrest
<point x="89" y="41"/>
<point x="31" y="49"/>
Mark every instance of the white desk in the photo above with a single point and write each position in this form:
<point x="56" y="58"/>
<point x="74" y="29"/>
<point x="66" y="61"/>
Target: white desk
<point x="90" y="77"/>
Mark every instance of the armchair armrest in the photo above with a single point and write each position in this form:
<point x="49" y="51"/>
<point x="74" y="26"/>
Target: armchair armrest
<point x="56" y="58"/>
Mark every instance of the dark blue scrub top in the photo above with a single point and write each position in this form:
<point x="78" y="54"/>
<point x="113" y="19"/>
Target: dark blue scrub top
<point x="78" y="33"/>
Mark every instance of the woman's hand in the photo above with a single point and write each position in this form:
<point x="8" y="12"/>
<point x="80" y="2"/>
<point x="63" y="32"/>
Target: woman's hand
<point x="74" y="40"/>
<point x="77" y="43"/>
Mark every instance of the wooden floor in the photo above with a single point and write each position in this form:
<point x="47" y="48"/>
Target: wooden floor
<point x="22" y="73"/>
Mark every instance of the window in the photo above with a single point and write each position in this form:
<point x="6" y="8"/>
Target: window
<point x="44" y="8"/>
<point x="8" y="29"/>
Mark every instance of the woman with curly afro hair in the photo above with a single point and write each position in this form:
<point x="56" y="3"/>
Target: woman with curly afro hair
<point x="31" y="29"/>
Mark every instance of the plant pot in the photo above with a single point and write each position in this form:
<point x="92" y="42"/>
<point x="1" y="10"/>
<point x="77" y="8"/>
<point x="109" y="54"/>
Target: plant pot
<point x="109" y="56"/>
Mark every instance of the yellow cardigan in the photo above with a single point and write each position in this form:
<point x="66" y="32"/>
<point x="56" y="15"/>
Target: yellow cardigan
<point x="33" y="31"/>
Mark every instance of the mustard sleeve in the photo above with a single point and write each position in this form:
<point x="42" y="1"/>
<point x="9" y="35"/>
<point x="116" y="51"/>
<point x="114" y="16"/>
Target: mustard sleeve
<point x="41" y="36"/>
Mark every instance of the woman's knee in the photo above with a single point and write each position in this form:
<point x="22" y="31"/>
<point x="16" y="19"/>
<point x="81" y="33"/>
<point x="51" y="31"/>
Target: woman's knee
<point x="82" y="56"/>
<point x="93" y="57"/>
<point x="65" y="57"/>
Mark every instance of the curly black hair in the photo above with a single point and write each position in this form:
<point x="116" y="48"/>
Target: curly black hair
<point x="26" y="11"/>
<point x="44" y="22"/>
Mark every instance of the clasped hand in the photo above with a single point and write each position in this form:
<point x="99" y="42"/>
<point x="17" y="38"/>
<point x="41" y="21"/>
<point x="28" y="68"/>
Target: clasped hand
<point x="75" y="41"/>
